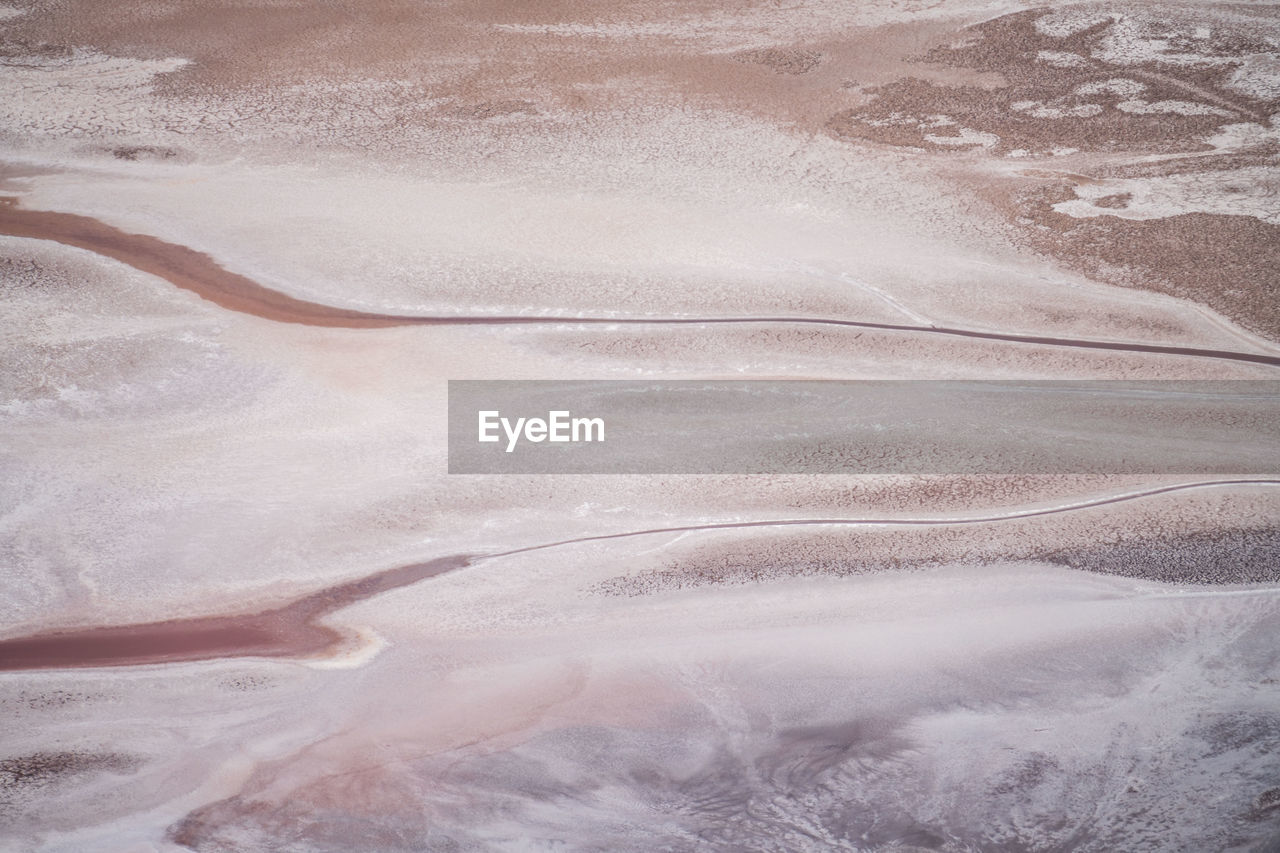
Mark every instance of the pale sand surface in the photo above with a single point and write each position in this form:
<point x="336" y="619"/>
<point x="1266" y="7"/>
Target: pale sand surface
<point x="250" y="464"/>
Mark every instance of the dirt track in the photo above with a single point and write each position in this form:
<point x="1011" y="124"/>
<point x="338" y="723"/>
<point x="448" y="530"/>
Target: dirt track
<point x="197" y="272"/>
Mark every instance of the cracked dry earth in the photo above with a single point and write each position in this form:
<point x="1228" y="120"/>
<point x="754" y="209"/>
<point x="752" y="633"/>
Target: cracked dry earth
<point x="243" y="245"/>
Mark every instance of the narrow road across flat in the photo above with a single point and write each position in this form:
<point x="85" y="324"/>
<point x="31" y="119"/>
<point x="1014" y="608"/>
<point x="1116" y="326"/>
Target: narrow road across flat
<point x="295" y="630"/>
<point x="197" y="272"/>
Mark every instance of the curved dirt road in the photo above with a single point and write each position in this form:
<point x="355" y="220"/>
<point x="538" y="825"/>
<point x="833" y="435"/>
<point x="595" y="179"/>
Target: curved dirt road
<point x="294" y="630"/>
<point x="197" y="272"/>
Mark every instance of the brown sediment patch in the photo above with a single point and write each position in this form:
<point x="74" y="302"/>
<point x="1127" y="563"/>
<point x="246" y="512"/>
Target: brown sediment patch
<point x="288" y="631"/>
<point x="495" y="109"/>
<point x="1229" y="555"/>
<point x="1117" y="201"/>
<point x="244" y="823"/>
<point x="915" y="113"/>
<point x="24" y="776"/>
<point x="1086" y="103"/>
<point x="1267" y="802"/>
<point x="200" y="274"/>
<point x="1089" y="104"/>
<point x="760" y="560"/>
<point x="133" y="153"/>
<point x="13" y="176"/>
<point x="1228" y="263"/>
<point x="1264" y="154"/>
<point x="40" y="768"/>
<point x="182" y="267"/>
<point x="1145" y="547"/>
<point x="782" y="60"/>
<point x="1226" y="556"/>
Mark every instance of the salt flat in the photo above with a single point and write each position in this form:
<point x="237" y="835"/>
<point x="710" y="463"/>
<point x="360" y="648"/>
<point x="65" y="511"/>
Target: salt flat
<point x="1076" y="182"/>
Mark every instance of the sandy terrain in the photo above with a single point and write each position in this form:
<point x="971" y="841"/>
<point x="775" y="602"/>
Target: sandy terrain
<point x="243" y="247"/>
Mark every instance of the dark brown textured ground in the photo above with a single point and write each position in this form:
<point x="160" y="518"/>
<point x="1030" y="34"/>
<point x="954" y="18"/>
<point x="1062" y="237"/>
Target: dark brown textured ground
<point x="289" y="631"/>
<point x="1228" y="263"/>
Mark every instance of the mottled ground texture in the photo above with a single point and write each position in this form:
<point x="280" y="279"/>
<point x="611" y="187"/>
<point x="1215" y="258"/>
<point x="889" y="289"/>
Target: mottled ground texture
<point x="245" y="243"/>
